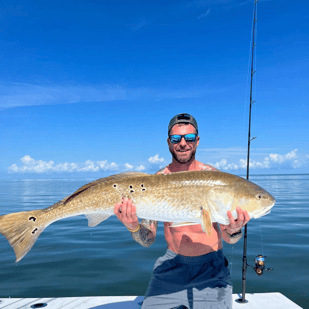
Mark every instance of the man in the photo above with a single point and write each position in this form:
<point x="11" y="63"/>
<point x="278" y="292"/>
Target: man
<point x="193" y="272"/>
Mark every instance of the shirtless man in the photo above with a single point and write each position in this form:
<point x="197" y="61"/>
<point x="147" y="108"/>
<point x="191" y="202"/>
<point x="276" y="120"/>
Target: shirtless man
<point x="193" y="273"/>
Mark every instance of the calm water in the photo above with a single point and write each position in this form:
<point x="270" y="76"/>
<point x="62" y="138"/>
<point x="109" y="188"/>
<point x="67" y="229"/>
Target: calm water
<point x="71" y="259"/>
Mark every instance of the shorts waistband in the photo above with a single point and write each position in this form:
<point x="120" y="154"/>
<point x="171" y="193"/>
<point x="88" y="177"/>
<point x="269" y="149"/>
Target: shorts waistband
<point x="205" y="258"/>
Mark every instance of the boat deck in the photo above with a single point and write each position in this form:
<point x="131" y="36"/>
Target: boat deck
<point x="255" y="301"/>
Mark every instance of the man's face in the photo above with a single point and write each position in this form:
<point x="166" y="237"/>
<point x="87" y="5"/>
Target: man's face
<point x="183" y="151"/>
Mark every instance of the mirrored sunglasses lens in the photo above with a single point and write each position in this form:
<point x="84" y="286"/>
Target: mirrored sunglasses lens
<point x="175" y="139"/>
<point x="190" y="137"/>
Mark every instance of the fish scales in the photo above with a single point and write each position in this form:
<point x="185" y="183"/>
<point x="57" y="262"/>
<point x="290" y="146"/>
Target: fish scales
<point x="195" y="197"/>
<point x="164" y="199"/>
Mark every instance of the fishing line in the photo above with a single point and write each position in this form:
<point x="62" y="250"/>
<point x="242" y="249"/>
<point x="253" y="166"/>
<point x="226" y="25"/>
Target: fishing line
<point x="232" y="260"/>
<point x="261" y="236"/>
<point x="254" y="112"/>
<point x="248" y="74"/>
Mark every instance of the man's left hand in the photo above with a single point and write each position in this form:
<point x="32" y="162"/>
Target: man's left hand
<point x="235" y="225"/>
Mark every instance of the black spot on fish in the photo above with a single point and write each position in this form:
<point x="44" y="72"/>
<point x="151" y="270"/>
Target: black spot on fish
<point x="38" y="305"/>
<point x="34" y="230"/>
<point x="32" y="218"/>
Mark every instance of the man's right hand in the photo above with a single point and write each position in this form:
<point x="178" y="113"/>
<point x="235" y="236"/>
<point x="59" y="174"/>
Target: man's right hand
<point x="126" y="213"/>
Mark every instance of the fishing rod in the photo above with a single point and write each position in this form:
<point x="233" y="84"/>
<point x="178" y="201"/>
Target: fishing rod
<point x="260" y="259"/>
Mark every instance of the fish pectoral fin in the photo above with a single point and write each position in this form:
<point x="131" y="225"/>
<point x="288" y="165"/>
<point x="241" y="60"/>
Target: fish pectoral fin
<point x="95" y="218"/>
<point x="206" y="222"/>
<point x="176" y="224"/>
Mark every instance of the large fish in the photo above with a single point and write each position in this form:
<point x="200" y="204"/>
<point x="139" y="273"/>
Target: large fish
<point x="197" y="197"/>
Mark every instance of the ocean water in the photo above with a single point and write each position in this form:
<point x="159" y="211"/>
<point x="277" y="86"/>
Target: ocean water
<point x="72" y="259"/>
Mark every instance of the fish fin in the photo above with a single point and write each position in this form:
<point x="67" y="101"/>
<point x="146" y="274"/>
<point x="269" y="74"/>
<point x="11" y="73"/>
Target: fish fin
<point x="176" y="224"/>
<point x="101" y="180"/>
<point x="206" y="222"/>
<point x="22" y="229"/>
<point x="130" y="174"/>
<point x="95" y="218"/>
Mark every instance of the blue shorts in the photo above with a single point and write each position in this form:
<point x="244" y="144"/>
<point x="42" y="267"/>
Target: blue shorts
<point x="199" y="282"/>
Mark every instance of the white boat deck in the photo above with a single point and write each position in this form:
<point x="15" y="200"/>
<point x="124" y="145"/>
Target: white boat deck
<point x="255" y="301"/>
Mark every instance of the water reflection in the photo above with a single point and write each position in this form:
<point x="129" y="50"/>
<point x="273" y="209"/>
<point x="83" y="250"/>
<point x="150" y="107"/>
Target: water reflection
<point x="69" y="253"/>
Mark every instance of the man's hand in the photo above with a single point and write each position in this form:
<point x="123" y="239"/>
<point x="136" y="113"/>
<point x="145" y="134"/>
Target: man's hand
<point x="126" y="213"/>
<point x="236" y="225"/>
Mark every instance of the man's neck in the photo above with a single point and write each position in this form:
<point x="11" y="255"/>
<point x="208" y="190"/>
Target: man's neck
<point x="175" y="166"/>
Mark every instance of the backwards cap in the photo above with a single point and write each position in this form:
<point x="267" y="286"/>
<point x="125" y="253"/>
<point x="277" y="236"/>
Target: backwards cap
<point x="181" y="118"/>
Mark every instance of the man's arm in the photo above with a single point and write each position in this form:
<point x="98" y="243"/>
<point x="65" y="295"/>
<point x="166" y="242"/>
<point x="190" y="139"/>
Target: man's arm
<point x="228" y="239"/>
<point x="224" y="234"/>
<point x="235" y="226"/>
<point x="144" y="233"/>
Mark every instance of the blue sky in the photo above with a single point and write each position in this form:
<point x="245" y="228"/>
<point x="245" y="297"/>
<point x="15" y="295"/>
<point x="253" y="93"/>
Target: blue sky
<point x="87" y="88"/>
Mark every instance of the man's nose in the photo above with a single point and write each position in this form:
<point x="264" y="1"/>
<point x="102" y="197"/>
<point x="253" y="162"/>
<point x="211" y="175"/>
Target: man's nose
<point x="183" y="142"/>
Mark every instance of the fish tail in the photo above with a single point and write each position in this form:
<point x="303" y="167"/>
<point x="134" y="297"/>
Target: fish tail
<point x="22" y="229"/>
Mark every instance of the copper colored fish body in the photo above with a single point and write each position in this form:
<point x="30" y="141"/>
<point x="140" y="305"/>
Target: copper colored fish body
<point x="195" y="197"/>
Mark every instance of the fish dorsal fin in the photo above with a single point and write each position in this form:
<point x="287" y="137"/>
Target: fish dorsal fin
<point x="80" y="190"/>
<point x="102" y="180"/>
<point x="96" y="218"/>
<point x="125" y="175"/>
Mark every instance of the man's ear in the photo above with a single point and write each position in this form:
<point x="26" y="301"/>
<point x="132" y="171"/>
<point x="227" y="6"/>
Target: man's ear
<point x="197" y="140"/>
<point x="168" y="141"/>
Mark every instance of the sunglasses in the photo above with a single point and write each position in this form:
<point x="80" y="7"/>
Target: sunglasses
<point x="177" y="138"/>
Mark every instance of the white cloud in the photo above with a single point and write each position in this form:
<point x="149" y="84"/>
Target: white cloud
<point x="22" y="94"/>
<point x="277" y="158"/>
<point x="140" y="25"/>
<point x="136" y="168"/>
<point x="140" y="168"/>
<point x="128" y="166"/>
<point x="273" y="160"/>
<point x="113" y="166"/>
<point x="31" y="165"/>
<point x="232" y="151"/>
<point x="27" y="160"/>
<point x="254" y="164"/>
<point x="223" y="165"/>
<point x="292" y="159"/>
<point x="204" y="15"/>
<point x="155" y="159"/>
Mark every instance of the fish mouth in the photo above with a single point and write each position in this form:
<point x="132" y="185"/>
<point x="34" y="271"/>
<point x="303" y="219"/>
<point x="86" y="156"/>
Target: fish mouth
<point x="264" y="212"/>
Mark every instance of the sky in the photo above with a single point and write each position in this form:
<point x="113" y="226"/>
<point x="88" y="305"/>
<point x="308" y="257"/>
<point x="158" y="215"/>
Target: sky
<point x="87" y="88"/>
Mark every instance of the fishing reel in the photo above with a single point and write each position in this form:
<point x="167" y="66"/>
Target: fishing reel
<point x="260" y="265"/>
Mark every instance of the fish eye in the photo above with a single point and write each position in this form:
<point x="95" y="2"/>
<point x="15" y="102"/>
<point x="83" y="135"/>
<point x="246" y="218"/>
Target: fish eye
<point x="259" y="196"/>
